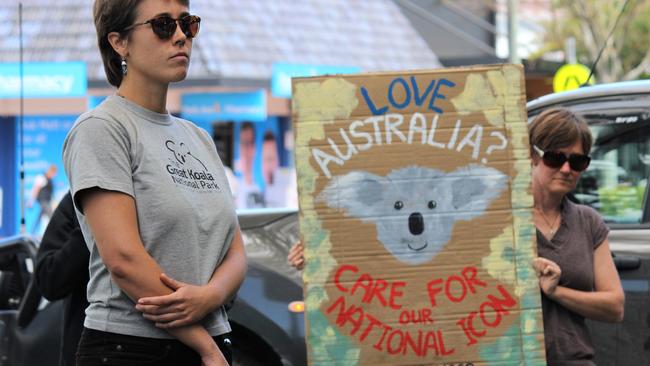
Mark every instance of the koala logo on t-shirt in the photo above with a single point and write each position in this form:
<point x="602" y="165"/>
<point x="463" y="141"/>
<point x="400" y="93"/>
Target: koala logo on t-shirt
<point x="182" y="154"/>
<point x="187" y="170"/>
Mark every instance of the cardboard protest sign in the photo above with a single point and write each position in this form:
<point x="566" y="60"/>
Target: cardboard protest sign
<point x="416" y="215"/>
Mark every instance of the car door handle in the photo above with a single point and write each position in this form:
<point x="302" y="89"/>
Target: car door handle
<point x="627" y="263"/>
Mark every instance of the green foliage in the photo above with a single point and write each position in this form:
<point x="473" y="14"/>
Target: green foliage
<point x="622" y="203"/>
<point x="590" y="22"/>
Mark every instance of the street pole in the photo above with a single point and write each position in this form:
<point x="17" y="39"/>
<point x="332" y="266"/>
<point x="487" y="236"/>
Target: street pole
<point x="570" y="49"/>
<point x="512" y="32"/>
<point x="23" y="227"/>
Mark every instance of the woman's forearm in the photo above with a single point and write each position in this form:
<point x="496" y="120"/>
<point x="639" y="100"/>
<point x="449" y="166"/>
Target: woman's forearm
<point x="195" y="337"/>
<point x="599" y="305"/>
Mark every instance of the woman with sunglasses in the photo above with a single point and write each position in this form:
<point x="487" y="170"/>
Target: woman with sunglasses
<point x="576" y="273"/>
<point x="153" y="202"/>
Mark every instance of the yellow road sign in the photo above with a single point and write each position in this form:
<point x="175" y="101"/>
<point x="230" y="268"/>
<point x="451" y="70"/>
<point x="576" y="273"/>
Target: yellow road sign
<point x="570" y="76"/>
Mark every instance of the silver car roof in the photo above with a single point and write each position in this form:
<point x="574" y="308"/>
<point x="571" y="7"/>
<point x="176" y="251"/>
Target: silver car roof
<point x="602" y="90"/>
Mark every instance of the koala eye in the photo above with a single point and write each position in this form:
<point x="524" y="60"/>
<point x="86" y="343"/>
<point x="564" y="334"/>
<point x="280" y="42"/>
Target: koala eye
<point x="399" y="205"/>
<point x="432" y="204"/>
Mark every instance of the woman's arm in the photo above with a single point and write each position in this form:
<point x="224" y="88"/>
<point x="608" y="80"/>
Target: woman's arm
<point x="189" y="304"/>
<point x="113" y="221"/>
<point x="606" y="302"/>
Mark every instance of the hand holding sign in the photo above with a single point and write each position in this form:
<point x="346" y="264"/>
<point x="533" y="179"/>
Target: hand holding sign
<point x="548" y="273"/>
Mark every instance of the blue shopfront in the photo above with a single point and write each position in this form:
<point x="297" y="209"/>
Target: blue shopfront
<point x="257" y="148"/>
<point x="42" y="137"/>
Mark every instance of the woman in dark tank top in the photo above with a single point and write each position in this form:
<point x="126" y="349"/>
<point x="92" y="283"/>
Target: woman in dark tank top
<point x="577" y="276"/>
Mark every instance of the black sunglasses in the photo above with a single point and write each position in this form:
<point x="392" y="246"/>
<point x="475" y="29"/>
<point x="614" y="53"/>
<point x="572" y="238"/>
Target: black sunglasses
<point x="164" y="26"/>
<point x="555" y="159"/>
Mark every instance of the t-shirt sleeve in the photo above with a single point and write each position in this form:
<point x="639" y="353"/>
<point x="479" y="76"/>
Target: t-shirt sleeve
<point x="96" y="153"/>
<point x="599" y="229"/>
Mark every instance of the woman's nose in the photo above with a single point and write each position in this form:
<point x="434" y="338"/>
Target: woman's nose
<point x="565" y="168"/>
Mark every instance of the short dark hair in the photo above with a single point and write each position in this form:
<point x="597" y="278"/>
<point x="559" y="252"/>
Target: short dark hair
<point x="115" y="16"/>
<point x="558" y="128"/>
<point x="269" y="136"/>
<point x="247" y="125"/>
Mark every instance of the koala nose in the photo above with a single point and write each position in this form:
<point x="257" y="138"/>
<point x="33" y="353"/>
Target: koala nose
<point x="416" y="223"/>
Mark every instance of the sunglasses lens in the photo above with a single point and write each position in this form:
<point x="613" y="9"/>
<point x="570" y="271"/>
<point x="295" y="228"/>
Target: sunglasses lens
<point x="190" y="25"/>
<point x="554" y="159"/>
<point x="164" y="27"/>
<point x="579" y="162"/>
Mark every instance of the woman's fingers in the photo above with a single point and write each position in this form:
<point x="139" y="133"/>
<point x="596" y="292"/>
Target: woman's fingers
<point x="164" y="300"/>
<point x="157" y="310"/>
<point x="164" y="318"/>
<point x="170" y="282"/>
<point x="296" y="256"/>
<point x="545" y="266"/>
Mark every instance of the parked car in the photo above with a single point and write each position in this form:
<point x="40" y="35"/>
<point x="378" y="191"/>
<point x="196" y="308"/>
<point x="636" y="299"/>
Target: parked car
<point x="267" y="319"/>
<point x="616" y="184"/>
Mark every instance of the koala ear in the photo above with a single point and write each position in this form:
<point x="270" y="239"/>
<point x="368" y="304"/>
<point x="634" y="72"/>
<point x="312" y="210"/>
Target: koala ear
<point x="357" y="192"/>
<point x="474" y="187"/>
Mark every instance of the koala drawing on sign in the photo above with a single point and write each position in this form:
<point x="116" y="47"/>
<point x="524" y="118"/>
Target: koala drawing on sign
<point x="414" y="209"/>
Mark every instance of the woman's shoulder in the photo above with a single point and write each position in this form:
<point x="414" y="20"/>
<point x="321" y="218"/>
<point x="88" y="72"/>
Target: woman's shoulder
<point x="98" y="126"/>
<point x="192" y="127"/>
<point x="104" y="116"/>
<point x="583" y="212"/>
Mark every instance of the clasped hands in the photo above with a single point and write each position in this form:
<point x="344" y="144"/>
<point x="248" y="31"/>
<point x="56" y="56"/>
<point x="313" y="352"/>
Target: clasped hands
<point x="188" y="304"/>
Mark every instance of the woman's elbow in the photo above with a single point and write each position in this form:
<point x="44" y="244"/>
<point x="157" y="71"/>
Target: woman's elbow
<point x="615" y="309"/>
<point x="619" y="309"/>
<point x="121" y="266"/>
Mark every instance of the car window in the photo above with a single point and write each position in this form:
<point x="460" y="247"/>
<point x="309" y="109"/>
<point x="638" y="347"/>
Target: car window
<point x="615" y="183"/>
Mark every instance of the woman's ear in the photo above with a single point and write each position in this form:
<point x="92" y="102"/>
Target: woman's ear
<point x="534" y="160"/>
<point x="118" y="43"/>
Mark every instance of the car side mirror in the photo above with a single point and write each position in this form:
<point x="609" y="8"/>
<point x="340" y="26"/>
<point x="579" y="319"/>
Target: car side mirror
<point x="17" y="255"/>
<point x="627" y="263"/>
<point x="10" y="290"/>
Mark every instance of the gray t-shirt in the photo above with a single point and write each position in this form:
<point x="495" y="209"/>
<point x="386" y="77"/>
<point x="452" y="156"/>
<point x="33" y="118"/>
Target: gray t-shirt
<point x="581" y="231"/>
<point x="184" y="207"/>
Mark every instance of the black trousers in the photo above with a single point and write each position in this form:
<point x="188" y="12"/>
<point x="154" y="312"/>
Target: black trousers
<point x="104" y="348"/>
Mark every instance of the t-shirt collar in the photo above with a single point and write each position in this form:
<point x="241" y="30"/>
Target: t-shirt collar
<point x="160" y="118"/>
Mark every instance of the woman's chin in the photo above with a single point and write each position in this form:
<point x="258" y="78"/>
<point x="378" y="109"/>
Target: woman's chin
<point x="178" y="76"/>
<point x="563" y="189"/>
